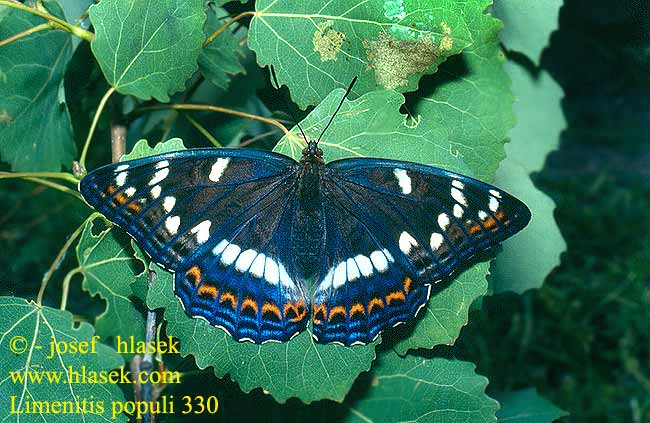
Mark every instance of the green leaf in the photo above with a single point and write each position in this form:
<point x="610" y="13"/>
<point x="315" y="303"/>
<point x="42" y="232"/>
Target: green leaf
<point x="529" y="256"/>
<point x="221" y="59"/>
<point x="526" y="406"/>
<point x="528" y="25"/>
<point x="371" y="126"/>
<point x="35" y="126"/>
<point x="298" y="368"/>
<point x="319" y="45"/>
<point x="109" y="269"/>
<point x="467" y="105"/>
<point x="411" y="389"/>
<point x="148" y="48"/>
<point x="26" y="325"/>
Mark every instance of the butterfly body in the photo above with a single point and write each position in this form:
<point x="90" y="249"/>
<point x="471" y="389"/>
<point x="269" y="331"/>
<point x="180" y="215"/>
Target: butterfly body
<point x="264" y="246"/>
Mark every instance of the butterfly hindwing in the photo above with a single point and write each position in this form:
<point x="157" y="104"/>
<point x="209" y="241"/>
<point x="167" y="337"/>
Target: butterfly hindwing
<point x="214" y="218"/>
<point x="421" y="224"/>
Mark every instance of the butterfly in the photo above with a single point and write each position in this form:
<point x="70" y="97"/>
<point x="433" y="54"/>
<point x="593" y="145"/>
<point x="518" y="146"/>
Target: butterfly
<point x="245" y="230"/>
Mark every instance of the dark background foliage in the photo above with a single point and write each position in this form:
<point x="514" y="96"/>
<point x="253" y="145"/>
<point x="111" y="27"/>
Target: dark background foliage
<point x="583" y="339"/>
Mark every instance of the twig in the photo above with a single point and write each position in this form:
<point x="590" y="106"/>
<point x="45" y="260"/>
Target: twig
<point x="91" y="131"/>
<point x="203" y="131"/>
<point x="25" y="33"/>
<point x="146" y="392"/>
<point x="54" y="175"/>
<point x="220" y="110"/>
<point x="118" y="142"/>
<point x="59" y="23"/>
<point x="258" y="137"/>
<point x="56" y="186"/>
<point x="57" y="261"/>
<point x="225" y="26"/>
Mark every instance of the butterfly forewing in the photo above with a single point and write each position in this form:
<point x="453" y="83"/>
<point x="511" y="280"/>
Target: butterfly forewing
<point x="421" y="224"/>
<point x="217" y="218"/>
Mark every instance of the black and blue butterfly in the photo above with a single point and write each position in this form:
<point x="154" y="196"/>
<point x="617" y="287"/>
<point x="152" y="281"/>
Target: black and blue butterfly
<point x="245" y="230"/>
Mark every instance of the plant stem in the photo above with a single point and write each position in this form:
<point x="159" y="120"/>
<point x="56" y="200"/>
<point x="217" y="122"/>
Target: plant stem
<point x="25" y="33"/>
<point x="57" y="261"/>
<point x="221" y="110"/>
<point x="66" y="286"/>
<point x="225" y="26"/>
<point x="55" y="175"/>
<point x="60" y="23"/>
<point x="93" y="125"/>
<point x="56" y="186"/>
<point x="203" y="131"/>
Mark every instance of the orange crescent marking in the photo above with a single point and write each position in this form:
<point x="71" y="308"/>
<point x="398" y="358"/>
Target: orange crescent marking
<point x="336" y="310"/>
<point x="111" y="190"/>
<point x="229" y="296"/>
<point x="195" y="272"/>
<point x="357" y="308"/>
<point x="375" y="302"/>
<point x="319" y="308"/>
<point x="134" y="207"/>
<point x="397" y="295"/>
<point x="249" y="303"/>
<point x="121" y="198"/>
<point x="208" y="289"/>
<point x="407" y="284"/>
<point x="273" y="309"/>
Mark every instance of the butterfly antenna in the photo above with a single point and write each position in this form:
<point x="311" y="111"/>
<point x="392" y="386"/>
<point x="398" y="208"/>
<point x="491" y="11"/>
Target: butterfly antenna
<point x="286" y="103"/>
<point x="354" y="81"/>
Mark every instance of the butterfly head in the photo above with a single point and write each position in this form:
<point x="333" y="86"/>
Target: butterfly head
<point x="312" y="152"/>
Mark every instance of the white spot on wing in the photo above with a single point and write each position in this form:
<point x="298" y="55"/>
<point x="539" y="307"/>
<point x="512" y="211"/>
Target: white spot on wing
<point x="494" y="204"/>
<point x="202" y="231"/>
<point x="365" y="265"/>
<point x="218" y="168"/>
<point x="482" y="215"/>
<point x="271" y="271"/>
<point x="353" y="270"/>
<point x="406" y="242"/>
<point x="388" y="255"/>
<point x="229" y="254"/>
<point x="120" y="179"/>
<point x="129" y="191"/>
<point x="458" y="184"/>
<point x="218" y="249"/>
<point x="496" y="193"/>
<point x="458" y="211"/>
<point x="404" y="180"/>
<point x="159" y="176"/>
<point x="172" y="223"/>
<point x="340" y="275"/>
<point x="285" y="279"/>
<point x="326" y="283"/>
<point x="436" y="240"/>
<point x="169" y="203"/>
<point x="257" y="268"/>
<point x="155" y="192"/>
<point x="379" y="261"/>
<point x="459" y="196"/>
<point x="443" y="221"/>
<point x="162" y="164"/>
<point x="245" y="260"/>
<point x="121" y="168"/>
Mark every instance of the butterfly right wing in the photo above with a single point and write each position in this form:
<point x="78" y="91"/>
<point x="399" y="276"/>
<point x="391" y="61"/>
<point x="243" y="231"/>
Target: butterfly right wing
<point x="218" y="219"/>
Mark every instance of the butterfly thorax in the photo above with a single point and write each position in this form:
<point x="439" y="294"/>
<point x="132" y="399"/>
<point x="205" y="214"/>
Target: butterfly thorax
<point x="308" y="231"/>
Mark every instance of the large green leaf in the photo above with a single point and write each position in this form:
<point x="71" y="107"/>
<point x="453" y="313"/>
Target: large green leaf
<point x="415" y="389"/>
<point x="221" y="59"/>
<point x="528" y="24"/>
<point x="148" y="48"/>
<point x="109" y="269"/>
<point x="35" y="128"/>
<point x="319" y="45"/>
<point x="529" y="256"/>
<point x="527" y="406"/>
<point x="26" y="330"/>
<point x="467" y="104"/>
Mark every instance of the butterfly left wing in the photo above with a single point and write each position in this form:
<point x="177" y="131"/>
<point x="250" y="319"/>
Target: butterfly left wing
<point x="220" y="219"/>
<point x="394" y="229"/>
